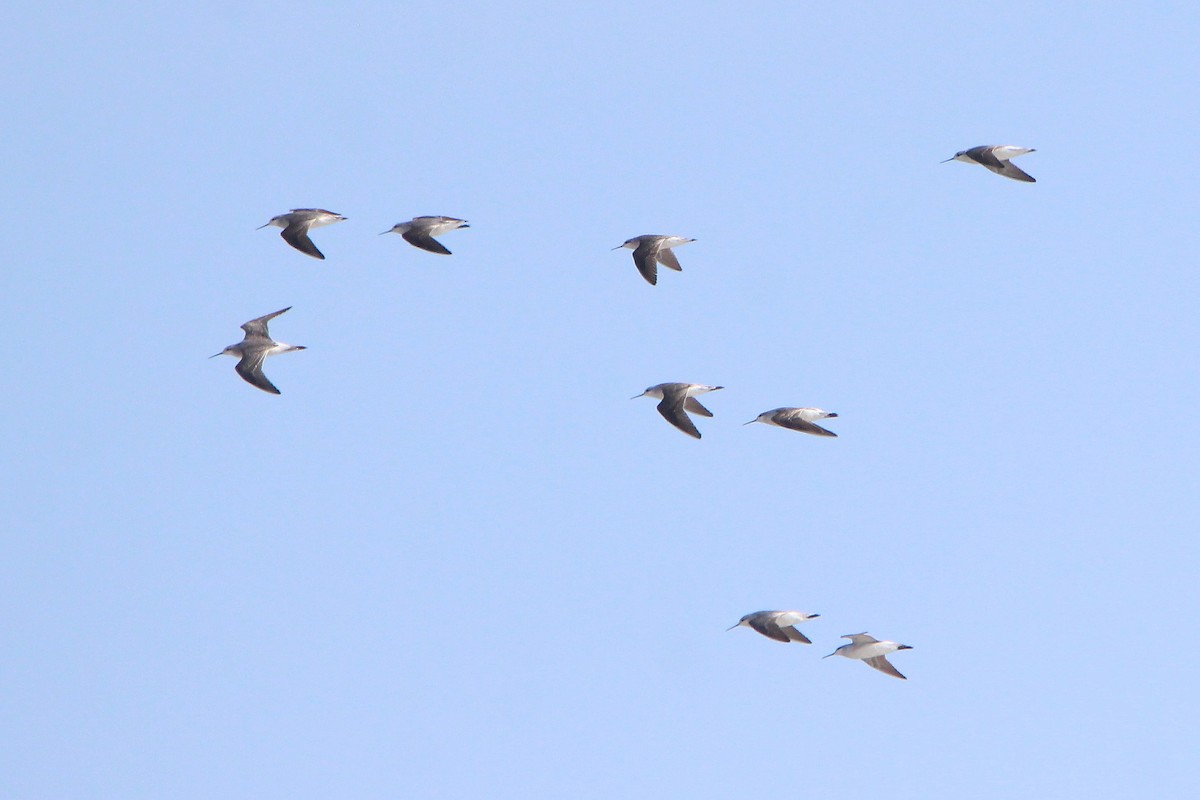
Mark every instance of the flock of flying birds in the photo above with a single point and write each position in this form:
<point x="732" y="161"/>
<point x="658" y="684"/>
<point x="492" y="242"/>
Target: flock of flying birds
<point x="781" y="626"/>
<point x="676" y="400"/>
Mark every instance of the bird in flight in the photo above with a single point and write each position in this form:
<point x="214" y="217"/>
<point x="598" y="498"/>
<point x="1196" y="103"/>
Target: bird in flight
<point x="777" y="625"/>
<point x="996" y="157"/>
<point x="296" y="225"/>
<point x="872" y="651"/>
<point x="649" y="251"/>
<point x="796" y="419"/>
<point x="419" y="231"/>
<point x="677" y="400"/>
<point x="254" y="348"/>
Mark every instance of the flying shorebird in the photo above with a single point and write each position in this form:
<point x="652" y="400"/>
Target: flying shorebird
<point x="996" y="158"/>
<point x="869" y="649"/>
<point x="296" y="224"/>
<point x="677" y="400"/>
<point x="254" y="348"/>
<point x="419" y="231"/>
<point x="777" y="625"/>
<point x="797" y="419"/>
<point x="649" y="251"/>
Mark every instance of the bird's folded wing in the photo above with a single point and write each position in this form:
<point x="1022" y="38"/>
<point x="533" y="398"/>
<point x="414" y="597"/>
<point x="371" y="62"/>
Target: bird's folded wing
<point x="769" y="629"/>
<point x="424" y="241"/>
<point x="693" y="405"/>
<point x="883" y="665"/>
<point x="985" y="156"/>
<point x="667" y="258"/>
<point x="297" y="237"/>
<point x="250" y="368"/>
<point x="646" y="258"/>
<point x="1011" y="170"/>
<point x="804" y="426"/>
<point x="795" y="635"/>
<point x="672" y="411"/>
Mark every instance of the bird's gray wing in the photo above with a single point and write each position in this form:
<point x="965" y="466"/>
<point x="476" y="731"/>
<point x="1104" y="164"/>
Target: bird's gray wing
<point x="646" y="258"/>
<point x="297" y="237"/>
<point x="769" y="629"/>
<point x="883" y="665"/>
<point x="250" y="368"/>
<point x="258" y="326"/>
<point x="795" y="635"/>
<point x="1011" y="170"/>
<point x="422" y="239"/>
<point x="667" y="258"/>
<point x="860" y="638"/>
<point x="985" y="155"/>
<point x="672" y="410"/>
<point x="693" y="405"/>
<point x="804" y="426"/>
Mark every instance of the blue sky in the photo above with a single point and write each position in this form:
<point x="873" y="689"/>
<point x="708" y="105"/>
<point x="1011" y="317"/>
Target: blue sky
<point x="453" y="559"/>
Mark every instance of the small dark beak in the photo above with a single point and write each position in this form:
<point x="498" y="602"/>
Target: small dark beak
<point x="618" y="247"/>
<point x="813" y="616"/>
<point x="389" y="230"/>
<point x="948" y="160"/>
<point x="260" y="227"/>
<point x="832" y="414"/>
<point x="214" y="355"/>
<point x="904" y="647"/>
<point x="751" y="422"/>
<point x="731" y="627"/>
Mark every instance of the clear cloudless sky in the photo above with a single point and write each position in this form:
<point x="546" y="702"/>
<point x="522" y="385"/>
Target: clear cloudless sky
<point x="453" y="559"/>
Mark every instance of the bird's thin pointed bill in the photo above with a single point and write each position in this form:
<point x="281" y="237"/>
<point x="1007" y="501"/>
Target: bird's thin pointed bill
<point x="389" y="230"/>
<point x="751" y="422"/>
<point x="214" y="355"/>
<point x="947" y="161"/>
<point x="260" y="227"/>
<point x="731" y="627"/>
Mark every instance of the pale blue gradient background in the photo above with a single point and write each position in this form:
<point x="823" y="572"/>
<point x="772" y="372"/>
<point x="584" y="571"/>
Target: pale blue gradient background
<point x="452" y="560"/>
